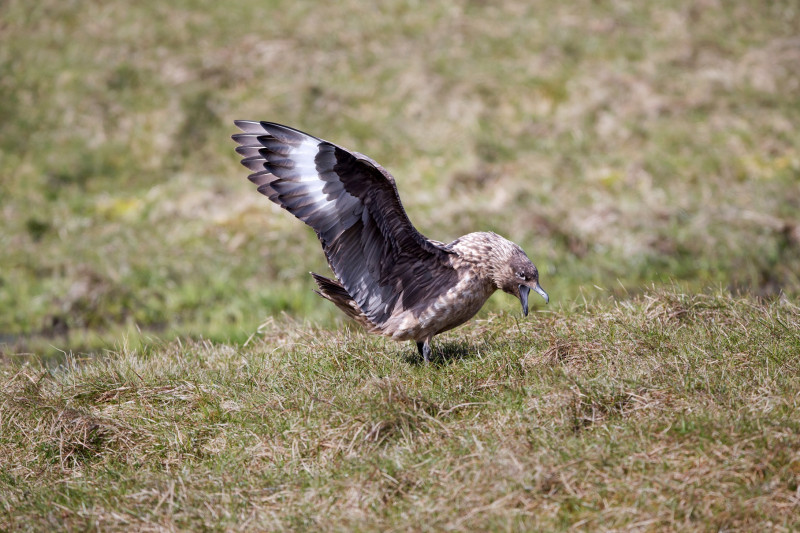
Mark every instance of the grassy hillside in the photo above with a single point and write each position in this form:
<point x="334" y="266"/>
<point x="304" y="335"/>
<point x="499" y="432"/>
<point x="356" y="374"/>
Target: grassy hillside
<point x="621" y="144"/>
<point x="164" y="363"/>
<point x="662" y="412"/>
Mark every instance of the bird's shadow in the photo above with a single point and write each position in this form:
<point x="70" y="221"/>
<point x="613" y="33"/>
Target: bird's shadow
<point x="447" y="353"/>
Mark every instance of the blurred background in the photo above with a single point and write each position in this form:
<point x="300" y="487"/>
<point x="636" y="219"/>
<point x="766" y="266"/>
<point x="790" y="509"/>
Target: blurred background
<point x="622" y="144"/>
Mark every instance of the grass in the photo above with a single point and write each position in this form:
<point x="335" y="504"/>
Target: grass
<point x="618" y="145"/>
<point x="665" y="411"/>
<point x="165" y="364"/>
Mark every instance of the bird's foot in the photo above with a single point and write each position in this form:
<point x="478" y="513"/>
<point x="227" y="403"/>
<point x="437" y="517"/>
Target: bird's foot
<point x="424" y="348"/>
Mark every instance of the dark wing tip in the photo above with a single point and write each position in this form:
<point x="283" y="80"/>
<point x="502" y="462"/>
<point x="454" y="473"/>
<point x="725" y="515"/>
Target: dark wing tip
<point x="248" y="151"/>
<point x="255" y="163"/>
<point x="261" y="177"/>
<point x="285" y="134"/>
<point x="247" y="139"/>
<point x="249" y="126"/>
<point x="267" y="190"/>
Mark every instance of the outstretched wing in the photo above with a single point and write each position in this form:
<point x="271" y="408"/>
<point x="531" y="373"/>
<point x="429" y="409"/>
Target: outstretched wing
<point x="353" y="205"/>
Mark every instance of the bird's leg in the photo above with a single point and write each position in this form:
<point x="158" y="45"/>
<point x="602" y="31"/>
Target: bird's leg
<point x="424" y="348"/>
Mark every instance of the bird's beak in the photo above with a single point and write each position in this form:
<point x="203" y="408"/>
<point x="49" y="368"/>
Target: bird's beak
<point x="538" y="288"/>
<point x="524" y="290"/>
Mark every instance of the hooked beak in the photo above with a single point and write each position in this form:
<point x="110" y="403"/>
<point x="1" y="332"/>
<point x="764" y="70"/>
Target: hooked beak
<point x="540" y="291"/>
<point x="524" y="291"/>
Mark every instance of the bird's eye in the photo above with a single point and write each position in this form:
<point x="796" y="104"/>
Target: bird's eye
<point x="522" y="276"/>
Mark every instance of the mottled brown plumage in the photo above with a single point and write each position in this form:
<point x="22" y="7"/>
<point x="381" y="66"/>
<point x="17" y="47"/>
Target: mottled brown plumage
<point x="390" y="278"/>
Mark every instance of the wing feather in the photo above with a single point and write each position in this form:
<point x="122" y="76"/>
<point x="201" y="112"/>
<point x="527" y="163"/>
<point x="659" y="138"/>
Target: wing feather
<point x="353" y="205"/>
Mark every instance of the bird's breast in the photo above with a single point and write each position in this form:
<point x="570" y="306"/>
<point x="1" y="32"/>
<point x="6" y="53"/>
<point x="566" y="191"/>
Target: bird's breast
<point x="449" y="309"/>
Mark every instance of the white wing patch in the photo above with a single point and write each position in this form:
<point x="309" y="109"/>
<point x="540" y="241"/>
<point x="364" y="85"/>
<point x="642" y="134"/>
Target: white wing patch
<point x="286" y="169"/>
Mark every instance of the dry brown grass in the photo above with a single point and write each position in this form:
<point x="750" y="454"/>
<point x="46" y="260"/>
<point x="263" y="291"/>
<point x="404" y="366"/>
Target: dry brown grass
<point x="664" y="412"/>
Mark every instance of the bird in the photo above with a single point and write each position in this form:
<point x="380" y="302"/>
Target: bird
<point x="389" y="277"/>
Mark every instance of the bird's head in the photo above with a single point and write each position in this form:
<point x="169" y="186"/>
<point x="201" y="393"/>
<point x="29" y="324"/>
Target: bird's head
<point x="518" y="276"/>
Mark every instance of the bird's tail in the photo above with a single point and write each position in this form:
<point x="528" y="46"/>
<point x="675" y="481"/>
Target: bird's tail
<point x="332" y="290"/>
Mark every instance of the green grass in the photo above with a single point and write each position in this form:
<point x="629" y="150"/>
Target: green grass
<point x="645" y="155"/>
<point x="619" y="145"/>
<point x="665" y="411"/>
